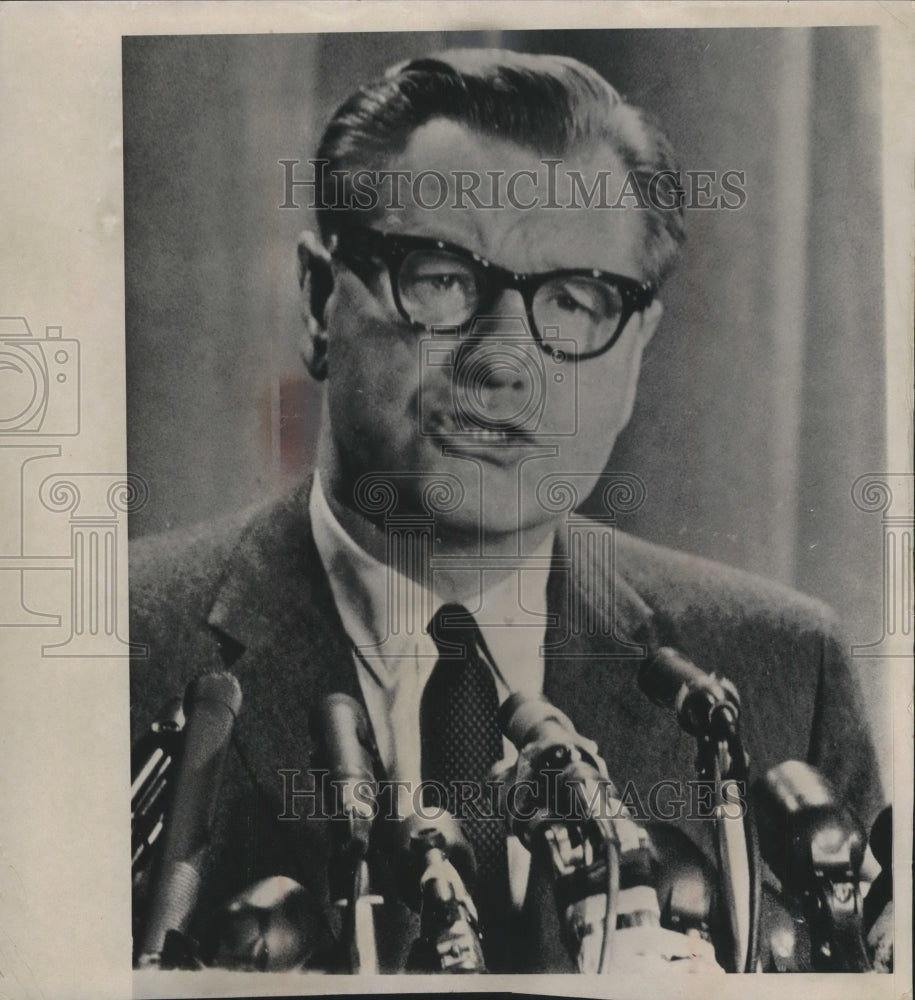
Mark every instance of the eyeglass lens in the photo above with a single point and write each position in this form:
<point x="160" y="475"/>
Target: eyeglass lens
<point x="438" y="288"/>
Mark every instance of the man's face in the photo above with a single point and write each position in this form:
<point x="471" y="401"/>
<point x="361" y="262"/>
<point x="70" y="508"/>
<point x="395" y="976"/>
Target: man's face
<point x="399" y="405"/>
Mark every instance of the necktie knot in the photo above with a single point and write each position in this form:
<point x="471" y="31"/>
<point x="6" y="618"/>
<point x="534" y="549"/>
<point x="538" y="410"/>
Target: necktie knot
<point x="454" y="631"/>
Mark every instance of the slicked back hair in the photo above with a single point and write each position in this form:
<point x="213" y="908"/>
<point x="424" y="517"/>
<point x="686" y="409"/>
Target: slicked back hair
<point x="551" y="105"/>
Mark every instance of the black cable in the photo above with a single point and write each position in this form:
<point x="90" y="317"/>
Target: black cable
<point x="612" y="908"/>
<point x="754" y="865"/>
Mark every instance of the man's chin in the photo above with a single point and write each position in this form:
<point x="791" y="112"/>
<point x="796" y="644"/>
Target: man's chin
<point x="456" y="489"/>
<point x="483" y="506"/>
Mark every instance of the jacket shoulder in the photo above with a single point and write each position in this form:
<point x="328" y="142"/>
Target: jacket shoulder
<point x="184" y="567"/>
<point x="683" y="585"/>
<point x="174" y="579"/>
<point x="785" y="651"/>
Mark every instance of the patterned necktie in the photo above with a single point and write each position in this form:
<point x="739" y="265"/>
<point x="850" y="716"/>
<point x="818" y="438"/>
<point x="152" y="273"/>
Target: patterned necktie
<point x="461" y="741"/>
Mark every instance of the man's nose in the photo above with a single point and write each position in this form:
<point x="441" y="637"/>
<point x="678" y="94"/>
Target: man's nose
<point x="507" y="310"/>
<point x="496" y="350"/>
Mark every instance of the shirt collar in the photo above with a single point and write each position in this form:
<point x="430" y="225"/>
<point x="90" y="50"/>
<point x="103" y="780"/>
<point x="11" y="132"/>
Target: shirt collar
<point x="511" y="612"/>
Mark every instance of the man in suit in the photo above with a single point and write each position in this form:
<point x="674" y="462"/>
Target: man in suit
<point x="479" y="325"/>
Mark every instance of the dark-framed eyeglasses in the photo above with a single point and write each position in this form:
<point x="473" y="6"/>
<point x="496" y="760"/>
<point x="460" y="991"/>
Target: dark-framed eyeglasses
<point x="436" y="284"/>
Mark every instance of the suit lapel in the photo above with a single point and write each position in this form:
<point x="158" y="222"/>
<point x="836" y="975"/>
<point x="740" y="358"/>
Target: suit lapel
<point x="592" y="672"/>
<point x="286" y="643"/>
<point x="597" y="637"/>
<point x="601" y="629"/>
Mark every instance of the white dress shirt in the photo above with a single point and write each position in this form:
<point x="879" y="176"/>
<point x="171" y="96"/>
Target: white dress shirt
<point x="395" y="655"/>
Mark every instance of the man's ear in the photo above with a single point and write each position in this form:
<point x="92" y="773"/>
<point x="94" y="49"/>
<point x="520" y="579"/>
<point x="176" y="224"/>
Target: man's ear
<point x="649" y="320"/>
<point x="644" y="325"/>
<point x="316" y="283"/>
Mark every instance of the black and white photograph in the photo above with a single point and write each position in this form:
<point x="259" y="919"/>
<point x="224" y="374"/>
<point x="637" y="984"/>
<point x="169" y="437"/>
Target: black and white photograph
<point x="505" y="569"/>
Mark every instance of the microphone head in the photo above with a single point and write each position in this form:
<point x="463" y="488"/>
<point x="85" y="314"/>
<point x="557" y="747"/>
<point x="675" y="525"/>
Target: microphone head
<point x="345" y="748"/>
<point x="525" y="718"/>
<point x="667" y="676"/>
<point x="702" y="702"/>
<point x="339" y="707"/>
<point x="803" y="829"/>
<point x="414" y="836"/>
<point x="881" y="838"/>
<point x="343" y="737"/>
<point x="272" y="926"/>
<point x="170" y="718"/>
<point x="220" y="687"/>
<point x="211" y="705"/>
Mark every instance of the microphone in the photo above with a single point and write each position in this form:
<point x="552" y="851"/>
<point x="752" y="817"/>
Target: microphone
<point x="815" y="847"/>
<point x="412" y="836"/>
<point x="881" y="890"/>
<point x="878" y="903"/>
<point x="345" y="747"/>
<point x="211" y="704"/>
<point x="270" y="927"/>
<point x="152" y="765"/>
<point x="531" y="719"/>
<point x="599" y="856"/>
<point x="703" y="703"/>
<point x="547" y="744"/>
<point x="708" y="707"/>
<point x="434" y="861"/>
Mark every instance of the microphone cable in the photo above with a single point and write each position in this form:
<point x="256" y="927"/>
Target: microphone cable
<point x="611" y="909"/>
<point x="708" y="708"/>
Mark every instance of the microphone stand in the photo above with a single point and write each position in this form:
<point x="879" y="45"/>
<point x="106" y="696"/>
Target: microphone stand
<point x="358" y="942"/>
<point x="572" y="824"/>
<point x="586" y="880"/>
<point x="722" y="762"/>
<point x="345" y="744"/>
<point x="356" y="949"/>
<point x="449" y="938"/>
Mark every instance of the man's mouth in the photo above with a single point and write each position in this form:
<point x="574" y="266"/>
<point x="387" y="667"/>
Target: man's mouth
<point x="476" y="432"/>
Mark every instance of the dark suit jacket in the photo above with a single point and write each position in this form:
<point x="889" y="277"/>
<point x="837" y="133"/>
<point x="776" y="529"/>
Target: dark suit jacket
<point x="251" y="596"/>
